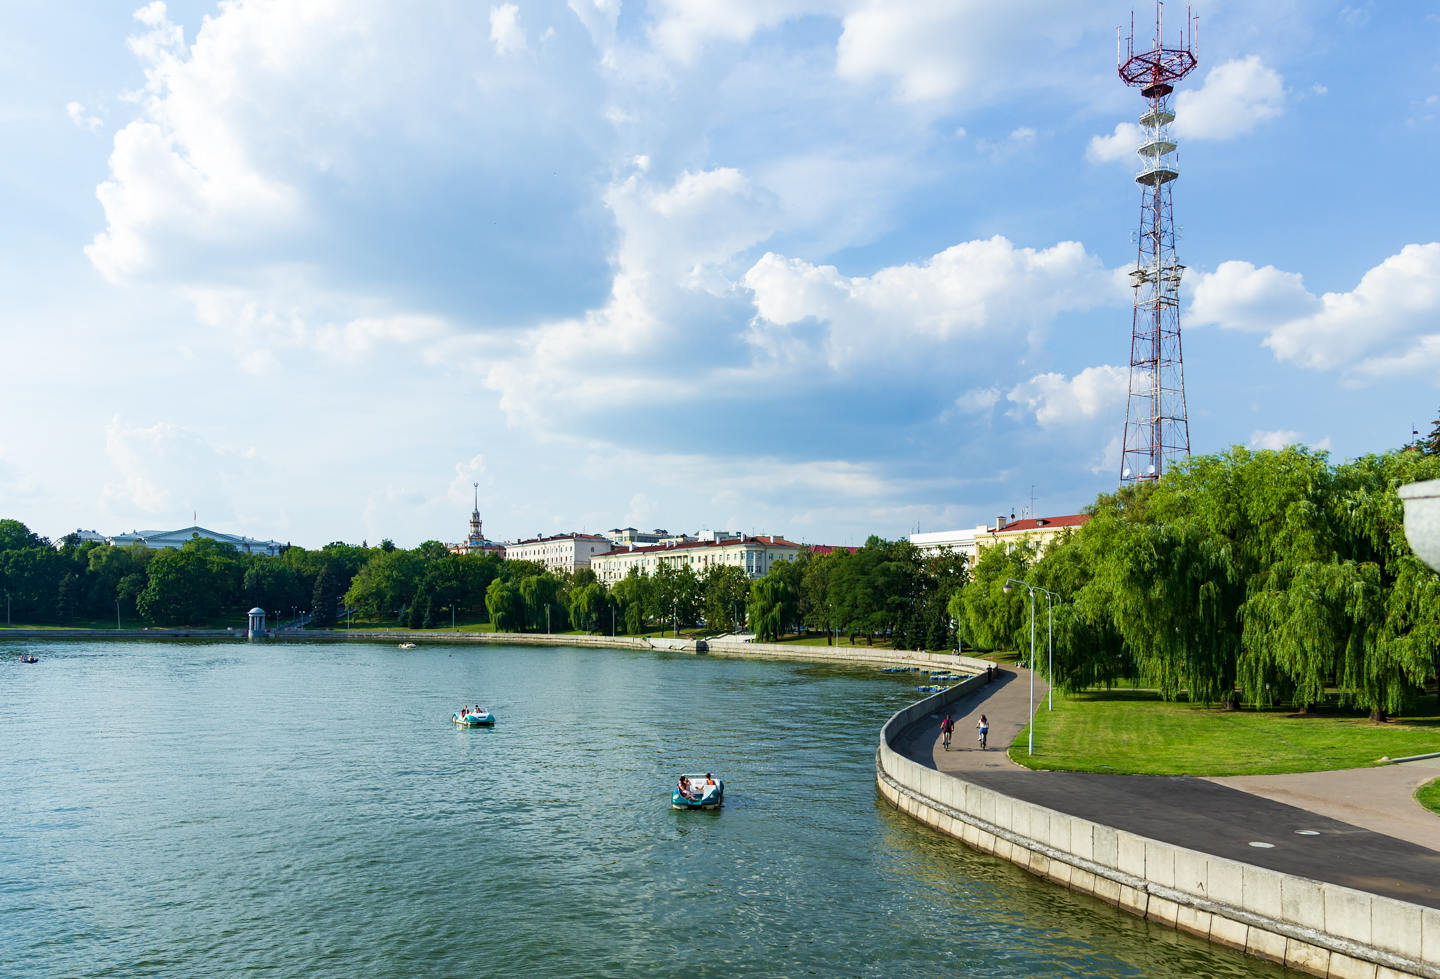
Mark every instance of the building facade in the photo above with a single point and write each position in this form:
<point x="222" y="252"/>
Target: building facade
<point x="754" y="555"/>
<point x="157" y="539"/>
<point x="561" y="553"/>
<point x="1041" y="531"/>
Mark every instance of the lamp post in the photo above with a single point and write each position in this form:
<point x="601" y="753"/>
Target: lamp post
<point x="452" y="618"/>
<point x="547" y="619"/>
<point x="117" y="611"/>
<point x="612" y="618"/>
<point x="1031" y="718"/>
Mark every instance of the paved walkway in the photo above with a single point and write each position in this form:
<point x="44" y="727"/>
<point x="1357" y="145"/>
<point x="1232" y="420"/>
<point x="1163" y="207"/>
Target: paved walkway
<point x="1203" y="814"/>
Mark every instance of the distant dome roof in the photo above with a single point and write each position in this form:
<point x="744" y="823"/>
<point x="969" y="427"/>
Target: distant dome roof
<point x="257" y="611"/>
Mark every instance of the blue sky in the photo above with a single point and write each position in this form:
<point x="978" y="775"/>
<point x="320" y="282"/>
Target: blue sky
<point x="822" y="268"/>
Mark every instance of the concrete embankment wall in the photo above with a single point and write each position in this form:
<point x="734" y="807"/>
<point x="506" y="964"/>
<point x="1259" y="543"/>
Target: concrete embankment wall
<point x="1323" y="929"/>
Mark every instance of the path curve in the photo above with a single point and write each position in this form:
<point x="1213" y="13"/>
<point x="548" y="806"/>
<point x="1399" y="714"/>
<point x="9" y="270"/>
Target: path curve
<point x="1198" y="813"/>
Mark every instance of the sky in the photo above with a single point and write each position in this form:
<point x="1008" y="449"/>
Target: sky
<point x="308" y="270"/>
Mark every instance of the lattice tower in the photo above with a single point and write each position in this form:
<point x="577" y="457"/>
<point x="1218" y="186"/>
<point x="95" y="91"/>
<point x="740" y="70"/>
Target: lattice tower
<point x="1157" y="431"/>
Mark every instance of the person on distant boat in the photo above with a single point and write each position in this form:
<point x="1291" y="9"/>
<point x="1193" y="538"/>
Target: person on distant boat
<point x="684" y="787"/>
<point x="464" y="711"/>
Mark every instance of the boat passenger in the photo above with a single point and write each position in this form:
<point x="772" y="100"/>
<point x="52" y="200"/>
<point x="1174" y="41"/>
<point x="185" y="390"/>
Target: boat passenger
<point x="684" y="788"/>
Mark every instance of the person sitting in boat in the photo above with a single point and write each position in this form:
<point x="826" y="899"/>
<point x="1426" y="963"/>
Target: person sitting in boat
<point x="464" y="711"/>
<point x="684" y="788"/>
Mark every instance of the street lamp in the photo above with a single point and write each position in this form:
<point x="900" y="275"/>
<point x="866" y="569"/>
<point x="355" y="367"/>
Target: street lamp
<point x="1031" y="717"/>
<point x="547" y="620"/>
<point x="117" y="610"/>
<point x="612" y="618"/>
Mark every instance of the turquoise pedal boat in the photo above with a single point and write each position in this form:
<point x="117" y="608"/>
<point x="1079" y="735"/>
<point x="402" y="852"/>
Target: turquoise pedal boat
<point x="700" y="792"/>
<point x="481" y="718"/>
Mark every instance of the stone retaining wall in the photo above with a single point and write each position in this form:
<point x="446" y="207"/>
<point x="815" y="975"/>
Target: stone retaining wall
<point x="1319" y="928"/>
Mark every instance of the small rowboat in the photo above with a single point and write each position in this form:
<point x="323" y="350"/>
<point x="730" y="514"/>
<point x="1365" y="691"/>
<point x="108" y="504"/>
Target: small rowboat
<point x="700" y="792"/>
<point x="27" y="658"/>
<point x="474" y="718"/>
<point x="407" y="645"/>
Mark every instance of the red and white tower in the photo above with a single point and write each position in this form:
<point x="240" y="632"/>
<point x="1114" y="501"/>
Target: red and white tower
<point x="1157" y="431"/>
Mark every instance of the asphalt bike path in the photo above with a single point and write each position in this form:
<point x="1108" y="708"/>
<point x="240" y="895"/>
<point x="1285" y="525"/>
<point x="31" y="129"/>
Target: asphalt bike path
<point x="1187" y="811"/>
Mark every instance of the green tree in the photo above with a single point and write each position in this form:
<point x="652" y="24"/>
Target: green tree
<point x="505" y="606"/>
<point x="323" y="599"/>
<point x="773" y="603"/>
<point x="632" y="595"/>
<point x="725" y="589"/>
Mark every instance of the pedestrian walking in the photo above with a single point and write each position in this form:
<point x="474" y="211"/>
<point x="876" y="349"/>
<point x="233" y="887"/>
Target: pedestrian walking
<point x="947" y="727"/>
<point x="983" y="726"/>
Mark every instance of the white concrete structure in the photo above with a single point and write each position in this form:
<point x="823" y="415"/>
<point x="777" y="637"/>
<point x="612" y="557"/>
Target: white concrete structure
<point x="754" y="555"/>
<point x="157" y="539"/>
<point x="959" y="542"/>
<point x="1040" y="530"/>
<point x="562" y="553"/>
<point x="625" y="536"/>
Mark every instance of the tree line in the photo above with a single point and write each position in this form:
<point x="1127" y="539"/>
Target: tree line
<point x="1259" y="577"/>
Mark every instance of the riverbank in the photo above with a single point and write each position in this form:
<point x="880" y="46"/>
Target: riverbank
<point x="870" y="656"/>
<point x="1276" y="881"/>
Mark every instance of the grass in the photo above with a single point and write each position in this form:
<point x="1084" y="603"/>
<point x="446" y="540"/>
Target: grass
<point x="1428" y="795"/>
<point x="1135" y="732"/>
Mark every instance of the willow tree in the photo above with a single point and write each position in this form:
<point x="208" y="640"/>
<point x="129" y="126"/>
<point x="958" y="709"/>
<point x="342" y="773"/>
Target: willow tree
<point x="989" y="616"/>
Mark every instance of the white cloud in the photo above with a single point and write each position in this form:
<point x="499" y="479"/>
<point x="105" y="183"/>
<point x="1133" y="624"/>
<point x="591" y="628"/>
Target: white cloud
<point x="933" y="50"/>
<point x="1056" y="400"/>
<point x="978" y="289"/>
<point x="979" y="401"/>
<point x="1237" y="295"/>
<point x="166" y="471"/>
<point x="1118" y="146"/>
<point x="1274" y="441"/>
<point x="1018" y="139"/>
<point x="681" y="28"/>
<point x="505" y="31"/>
<point x="82" y="117"/>
<point x="1384" y="327"/>
<point x="1236" y="97"/>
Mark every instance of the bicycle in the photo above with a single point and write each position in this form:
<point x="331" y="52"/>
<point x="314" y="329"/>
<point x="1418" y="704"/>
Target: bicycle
<point x="946" y="739"/>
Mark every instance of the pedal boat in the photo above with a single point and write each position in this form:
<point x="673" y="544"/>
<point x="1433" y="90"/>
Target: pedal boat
<point x="407" y="645"/>
<point x="27" y="658"/>
<point x="701" y="796"/>
<point x="482" y="718"/>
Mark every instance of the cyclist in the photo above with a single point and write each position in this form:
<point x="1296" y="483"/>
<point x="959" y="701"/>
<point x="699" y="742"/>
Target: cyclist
<point x="947" y="726"/>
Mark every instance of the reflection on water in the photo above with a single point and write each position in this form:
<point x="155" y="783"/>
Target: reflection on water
<point x="186" y="809"/>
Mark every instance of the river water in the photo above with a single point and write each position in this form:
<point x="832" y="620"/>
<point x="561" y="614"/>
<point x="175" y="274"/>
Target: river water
<point x="186" y="809"/>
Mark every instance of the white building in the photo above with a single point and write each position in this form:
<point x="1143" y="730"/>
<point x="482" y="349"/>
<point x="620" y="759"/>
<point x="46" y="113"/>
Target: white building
<point x="562" y="553"/>
<point x="157" y="539"/>
<point x="1039" y="530"/>
<point x="625" y="536"/>
<point x="754" y="555"/>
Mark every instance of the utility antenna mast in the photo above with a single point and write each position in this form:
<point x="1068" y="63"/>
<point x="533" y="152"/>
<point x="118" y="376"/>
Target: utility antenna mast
<point x="1157" y="432"/>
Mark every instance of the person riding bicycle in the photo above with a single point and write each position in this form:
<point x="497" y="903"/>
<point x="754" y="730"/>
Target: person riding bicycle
<point x="947" y="727"/>
<point x="983" y="726"/>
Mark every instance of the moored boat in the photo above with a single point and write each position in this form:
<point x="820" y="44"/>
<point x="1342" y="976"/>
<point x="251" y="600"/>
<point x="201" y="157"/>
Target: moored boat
<point x="473" y="718"/>
<point x="698" y="792"/>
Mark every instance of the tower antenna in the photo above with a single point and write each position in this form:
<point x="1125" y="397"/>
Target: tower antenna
<point x="1157" y="429"/>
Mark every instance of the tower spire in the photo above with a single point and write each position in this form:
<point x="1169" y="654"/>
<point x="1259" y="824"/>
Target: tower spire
<point x="1157" y="429"/>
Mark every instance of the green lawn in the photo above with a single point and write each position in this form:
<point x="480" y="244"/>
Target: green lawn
<point x="1428" y="795"/>
<point x="1134" y="732"/>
